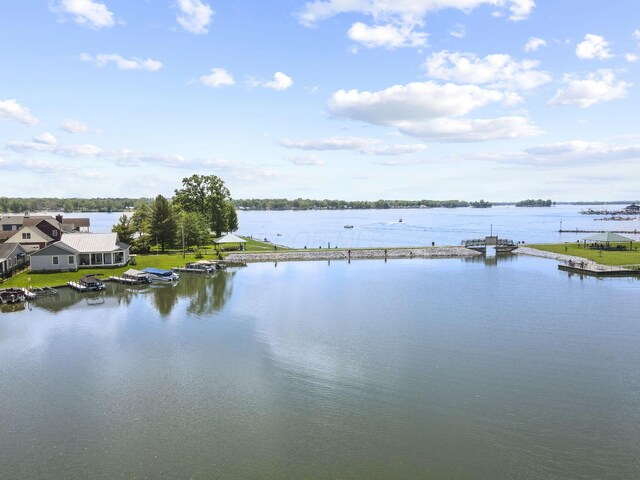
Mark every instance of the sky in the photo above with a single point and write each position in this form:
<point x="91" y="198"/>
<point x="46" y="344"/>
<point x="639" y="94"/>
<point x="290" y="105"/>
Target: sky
<point x="500" y="100"/>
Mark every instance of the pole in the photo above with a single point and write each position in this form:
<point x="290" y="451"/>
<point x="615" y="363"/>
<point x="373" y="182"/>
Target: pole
<point x="182" y="240"/>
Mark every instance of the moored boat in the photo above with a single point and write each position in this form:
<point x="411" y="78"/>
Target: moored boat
<point x="12" y="295"/>
<point x="160" y="275"/>
<point x="348" y="226"/>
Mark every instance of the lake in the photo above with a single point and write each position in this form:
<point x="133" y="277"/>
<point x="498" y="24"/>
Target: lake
<point x="429" y="369"/>
<point x="419" y="227"/>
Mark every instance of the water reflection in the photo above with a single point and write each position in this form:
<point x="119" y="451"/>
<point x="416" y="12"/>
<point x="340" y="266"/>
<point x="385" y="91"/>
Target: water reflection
<point x="203" y="294"/>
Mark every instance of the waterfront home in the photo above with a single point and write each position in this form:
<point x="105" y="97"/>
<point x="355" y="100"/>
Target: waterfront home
<point x="47" y="225"/>
<point x="633" y="208"/>
<point x="12" y="258"/>
<point x="78" y="250"/>
<point x="31" y="238"/>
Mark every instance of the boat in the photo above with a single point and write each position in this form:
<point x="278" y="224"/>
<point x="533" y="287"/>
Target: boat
<point x="348" y="226"/>
<point x="91" y="283"/>
<point x="400" y="221"/>
<point x="12" y="295"/>
<point x="160" y="275"/>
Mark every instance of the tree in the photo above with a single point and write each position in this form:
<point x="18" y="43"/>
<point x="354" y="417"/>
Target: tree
<point x="207" y="195"/>
<point x="124" y="229"/>
<point x="195" y="228"/>
<point x="141" y="219"/>
<point x="232" y="217"/>
<point x="163" y="222"/>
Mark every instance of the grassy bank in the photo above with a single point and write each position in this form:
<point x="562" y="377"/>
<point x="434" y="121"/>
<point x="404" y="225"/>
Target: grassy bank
<point x="604" y="257"/>
<point x="166" y="261"/>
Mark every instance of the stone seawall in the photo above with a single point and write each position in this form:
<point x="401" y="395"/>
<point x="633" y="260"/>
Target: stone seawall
<point x="354" y="254"/>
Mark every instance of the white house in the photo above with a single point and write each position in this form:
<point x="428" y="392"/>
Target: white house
<point x="78" y="250"/>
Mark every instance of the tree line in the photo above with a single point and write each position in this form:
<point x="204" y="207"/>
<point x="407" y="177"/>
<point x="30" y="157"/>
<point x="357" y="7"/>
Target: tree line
<point x="200" y="208"/>
<point x="309" y="204"/>
<point x="535" y="203"/>
<point x="68" y="205"/>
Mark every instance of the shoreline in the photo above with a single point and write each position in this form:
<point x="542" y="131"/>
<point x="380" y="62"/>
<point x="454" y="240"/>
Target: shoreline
<point x="353" y="254"/>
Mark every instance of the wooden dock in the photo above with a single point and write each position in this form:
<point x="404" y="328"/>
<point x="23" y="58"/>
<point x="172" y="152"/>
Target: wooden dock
<point x="577" y="230"/>
<point x="597" y="270"/>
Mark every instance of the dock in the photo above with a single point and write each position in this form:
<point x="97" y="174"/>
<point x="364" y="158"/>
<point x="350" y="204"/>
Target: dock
<point x="128" y="281"/>
<point x="577" y="230"/>
<point x="597" y="270"/>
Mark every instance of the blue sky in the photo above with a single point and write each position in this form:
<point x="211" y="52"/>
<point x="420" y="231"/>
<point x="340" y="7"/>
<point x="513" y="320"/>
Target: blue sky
<point x="348" y="99"/>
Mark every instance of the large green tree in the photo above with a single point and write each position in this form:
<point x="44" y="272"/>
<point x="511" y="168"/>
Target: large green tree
<point x="163" y="222"/>
<point x="124" y="229"/>
<point x="207" y="195"/>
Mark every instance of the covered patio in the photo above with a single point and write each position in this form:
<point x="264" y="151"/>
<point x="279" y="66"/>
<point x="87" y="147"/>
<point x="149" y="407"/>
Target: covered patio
<point x="604" y="241"/>
<point x="230" y="239"/>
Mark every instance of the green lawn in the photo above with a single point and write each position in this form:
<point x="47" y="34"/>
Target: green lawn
<point x="629" y="257"/>
<point x="165" y="260"/>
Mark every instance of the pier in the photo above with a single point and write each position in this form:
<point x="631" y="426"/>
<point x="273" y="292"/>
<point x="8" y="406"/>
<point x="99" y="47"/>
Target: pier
<point x="577" y="230"/>
<point x="597" y="270"/>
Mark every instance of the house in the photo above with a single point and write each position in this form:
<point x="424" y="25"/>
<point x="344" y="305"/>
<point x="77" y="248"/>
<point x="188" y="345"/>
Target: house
<point x="31" y="238"/>
<point x="47" y="225"/>
<point x="633" y="208"/>
<point x="75" y="224"/>
<point x="78" y="250"/>
<point x="12" y="258"/>
<point x="9" y="225"/>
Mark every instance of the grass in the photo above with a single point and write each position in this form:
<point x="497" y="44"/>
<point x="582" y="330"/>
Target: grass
<point x="165" y="261"/>
<point x="604" y="257"/>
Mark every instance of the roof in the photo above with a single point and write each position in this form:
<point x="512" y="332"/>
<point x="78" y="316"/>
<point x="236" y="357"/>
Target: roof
<point x="57" y="248"/>
<point x="78" y="222"/>
<point x="6" y="249"/>
<point x="230" y="238"/>
<point x="134" y="273"/>
<point x="93" y="242"/>
<point x="157" y="271"/>
<point x="608" y="237"/>
<point x="37" y="236"/>
<point x="11" y="219"/>
<point x="33" y="221"/>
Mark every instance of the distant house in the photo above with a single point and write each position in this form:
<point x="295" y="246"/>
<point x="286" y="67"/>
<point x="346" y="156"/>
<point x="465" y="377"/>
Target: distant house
<point x="9" y="225"/>
<point x="633" y="208"/>
<point x="12" y="258"/>
<point x="31" y="238"/>
<point x="47" y="225"/>
<point x="75" y="224"/>
<point x="78" y="250"/>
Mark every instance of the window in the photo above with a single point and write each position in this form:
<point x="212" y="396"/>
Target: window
<point x="54" y="260"/>
<point x="26" y="236"/>
<point x="72" y="259"/>
<point x="54" y="233"/>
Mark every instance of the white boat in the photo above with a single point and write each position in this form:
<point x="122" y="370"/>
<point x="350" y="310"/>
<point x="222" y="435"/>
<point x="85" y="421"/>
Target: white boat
<point x="160" y="275"/>
<point x="348" y="226"/>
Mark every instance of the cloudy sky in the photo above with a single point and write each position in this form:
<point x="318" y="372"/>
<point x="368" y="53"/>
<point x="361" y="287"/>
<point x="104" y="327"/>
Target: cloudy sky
<point x="347" y="99"/>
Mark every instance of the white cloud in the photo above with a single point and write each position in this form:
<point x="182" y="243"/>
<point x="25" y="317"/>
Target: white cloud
<point x="367" y="146"/>
<point x="46" y="138"/>
<point x="218" y="77"/>
<point x="424" y="110"/>
<point x="12" y="110"/>
<point x="55" y="149"/>
<point x="470" y="130"/>
<point x="582" y="152"/>
<point x="631" y="57"/>
<point x="280" y="82"/>
<point x="534" y="44"/>
<point x="413" y="101"/>
<point x="458" y="31"/>
<point x="74" y="126"/>
<point x="195" y="16"/>
<point x="497" y="70"/>
<point x="406" y="11"/>
<point x="122" y="63"/>
<point x="308" y="159"/>
<point x="387" y="36"/>
<point x="636" y="35"/>
<point x="599" y="86"/>
<point x="593" y="46"/>
<point x="85" y="12"/>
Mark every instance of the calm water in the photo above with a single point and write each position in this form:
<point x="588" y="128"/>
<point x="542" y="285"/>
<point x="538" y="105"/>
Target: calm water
<point x="419" y="227"/>
<point x="430" y="369"/>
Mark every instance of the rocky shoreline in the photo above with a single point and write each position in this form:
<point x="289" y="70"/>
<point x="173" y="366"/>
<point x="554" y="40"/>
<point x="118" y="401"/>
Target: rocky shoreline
<point x="353" y="254"/>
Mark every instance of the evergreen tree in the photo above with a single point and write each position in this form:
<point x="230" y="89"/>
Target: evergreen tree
<point x="163" y="223"/>
<point x="124" y="229"/>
